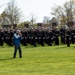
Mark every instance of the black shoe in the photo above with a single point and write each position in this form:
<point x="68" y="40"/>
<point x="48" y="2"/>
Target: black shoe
<point x="14" y="57"/>
<point x="21" y="57"/>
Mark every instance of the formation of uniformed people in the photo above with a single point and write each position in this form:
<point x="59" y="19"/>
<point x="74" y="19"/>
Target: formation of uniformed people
<point x="40" y="36"/>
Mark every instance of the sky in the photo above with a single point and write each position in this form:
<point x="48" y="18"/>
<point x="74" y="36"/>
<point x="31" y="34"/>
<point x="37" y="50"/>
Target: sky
<point x="39" y="8"/>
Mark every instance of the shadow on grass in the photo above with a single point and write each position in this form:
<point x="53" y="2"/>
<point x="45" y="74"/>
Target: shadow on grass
<point x="32" y="46"/>
<point x="61" y="47"/>
<point x="6" y="59"/>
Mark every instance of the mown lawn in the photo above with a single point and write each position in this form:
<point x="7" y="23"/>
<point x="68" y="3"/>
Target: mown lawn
<point x="55" y="60"/>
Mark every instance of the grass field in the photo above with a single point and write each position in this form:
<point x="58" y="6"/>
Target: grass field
<point x="55" y="60"/>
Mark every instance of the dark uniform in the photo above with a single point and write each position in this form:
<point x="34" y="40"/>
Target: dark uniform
<point x="9" y="38"/>
<point x="1" y="38"/>
<point x="72" y="36"/>
<point x="34" y="35"/>
<point x="5" y="35"/>
<point x="68" y="37"/>
<point x="28" y="36"/>
<point x="50" y="37"/>
<point x="62" y="35"/>
<point x="25" y="37"/>
<point x="56" y="36"/>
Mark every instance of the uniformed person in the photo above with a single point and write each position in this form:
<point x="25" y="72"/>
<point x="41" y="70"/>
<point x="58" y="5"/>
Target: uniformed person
<point x="72" y="35"/>
<point x="50" y="39"/>
<point x="1" y="37"/>
<point x="56" y="36"/>
<point x="9" y="38"/>
<point x="62" y="35"/>
<point x="68" y="37"/>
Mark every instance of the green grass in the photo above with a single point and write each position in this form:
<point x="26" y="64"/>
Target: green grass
<point x="55" y="60"/>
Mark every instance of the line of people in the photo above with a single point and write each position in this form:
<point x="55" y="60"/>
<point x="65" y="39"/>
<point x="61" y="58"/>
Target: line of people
<point x="40" y="36"/>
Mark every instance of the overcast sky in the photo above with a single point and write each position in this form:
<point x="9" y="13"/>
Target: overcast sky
<point x="39" y="8"/>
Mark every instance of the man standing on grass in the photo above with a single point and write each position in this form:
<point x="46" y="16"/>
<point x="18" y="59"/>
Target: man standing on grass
<point x="17" y="39"/>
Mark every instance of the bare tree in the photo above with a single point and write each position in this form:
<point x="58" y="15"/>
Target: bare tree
<point x="65" y="13"/>
<point x="13" y="13"/>
<point x="32" y="20"/>
<point x="46" y="20"/>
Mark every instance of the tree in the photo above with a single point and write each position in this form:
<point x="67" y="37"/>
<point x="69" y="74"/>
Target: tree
<point x="32" y="20"/>
<point x="66" y="13"/>
<point x="3" y="19"/>
<point x="46" y="20"/>
<point x="22" y="24"/>
<point x="12" y="13"/>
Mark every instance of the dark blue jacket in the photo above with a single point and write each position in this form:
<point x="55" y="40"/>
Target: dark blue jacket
<point x="17" y="39"/>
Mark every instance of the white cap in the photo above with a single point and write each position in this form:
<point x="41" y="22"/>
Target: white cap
<point x="18" y="31"/>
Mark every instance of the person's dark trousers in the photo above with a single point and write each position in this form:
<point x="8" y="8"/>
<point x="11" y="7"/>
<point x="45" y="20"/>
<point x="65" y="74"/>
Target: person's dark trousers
<point x="17" y="47"/>
<point x="68" y="41"/>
